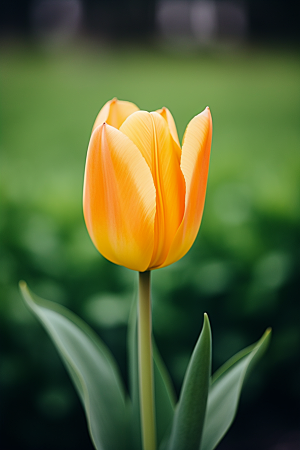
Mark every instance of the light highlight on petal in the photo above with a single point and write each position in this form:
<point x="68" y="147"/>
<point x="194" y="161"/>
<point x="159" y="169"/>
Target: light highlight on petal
<point x="151" y="134"/>
<point x="114" y="113"/>
<point x="119" y="199"/>
<point x="165" y="113"/>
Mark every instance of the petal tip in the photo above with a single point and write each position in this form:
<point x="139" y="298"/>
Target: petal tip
<point x="206" y="112"/>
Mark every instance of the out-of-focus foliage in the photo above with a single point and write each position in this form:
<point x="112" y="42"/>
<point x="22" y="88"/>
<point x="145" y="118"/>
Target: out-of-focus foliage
<point x="243" y="269"/>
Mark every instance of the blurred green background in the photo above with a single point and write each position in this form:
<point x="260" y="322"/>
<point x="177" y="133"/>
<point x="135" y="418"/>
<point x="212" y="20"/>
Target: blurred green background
<point x="243" y="268"/>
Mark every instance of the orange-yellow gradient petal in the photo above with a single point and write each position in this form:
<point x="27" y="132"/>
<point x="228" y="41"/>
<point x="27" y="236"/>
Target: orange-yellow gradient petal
<point x="151" y="134"/>
<point x="114" y="113"/>
<point x="194" y="164"/>
<point x="165" y="113"/>
<point x="119" y="199"/>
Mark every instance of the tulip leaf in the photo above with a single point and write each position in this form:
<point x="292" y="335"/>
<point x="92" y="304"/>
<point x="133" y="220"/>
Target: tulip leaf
<point x="164" y="392"/>
<point x="91" y="368"/>
<point x="190" y="412"/>
<point x="225" y="392"/>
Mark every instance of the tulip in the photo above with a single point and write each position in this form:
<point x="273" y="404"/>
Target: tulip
<point x="144" y="194"/>
<point x="143" y="201"/>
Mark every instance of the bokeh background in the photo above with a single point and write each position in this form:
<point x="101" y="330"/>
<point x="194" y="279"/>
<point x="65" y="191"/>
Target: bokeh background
<point x="61" y="60"/>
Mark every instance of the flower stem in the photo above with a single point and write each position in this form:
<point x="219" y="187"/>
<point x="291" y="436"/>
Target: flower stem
<point x="145" y="363"/>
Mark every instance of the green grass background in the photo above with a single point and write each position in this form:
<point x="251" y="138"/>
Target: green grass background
<point x="243" y="269"/>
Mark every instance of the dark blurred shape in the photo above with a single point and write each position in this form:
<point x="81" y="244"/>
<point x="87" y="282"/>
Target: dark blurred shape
<point x="15" y="17"/>
<point x="118" y="19"/>
<point x="232" y="19"/>
<point x="102" y="18"/>
<point x="204" y="20"/>
<point x="173" y="18"/>
<point x="269" y="19"/>
<point x="56" y="19"/>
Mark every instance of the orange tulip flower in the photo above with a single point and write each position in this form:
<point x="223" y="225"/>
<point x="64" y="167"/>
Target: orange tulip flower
<point x="143" y="194"/>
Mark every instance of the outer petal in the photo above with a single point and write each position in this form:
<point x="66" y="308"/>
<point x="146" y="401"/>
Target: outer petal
<point x="194" y="164"/>
<point x="150" y="133"/>
<point x="114" y="113"/>
<point x="119" y="199"/>
<point x="165" y="113"/>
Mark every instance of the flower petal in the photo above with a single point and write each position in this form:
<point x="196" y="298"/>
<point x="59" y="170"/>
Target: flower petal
<point x="194" y="164"/>
<point x="165" y="113"/>
<point x="114" y="113"/>
<point x="150" y="133"/>
<point x="119" y="199"/>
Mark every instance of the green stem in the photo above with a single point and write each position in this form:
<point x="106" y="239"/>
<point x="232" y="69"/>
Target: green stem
<point x="145" y="363"/>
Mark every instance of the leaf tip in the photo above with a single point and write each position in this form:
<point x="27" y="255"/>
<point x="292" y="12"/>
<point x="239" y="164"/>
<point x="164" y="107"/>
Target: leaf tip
<point x="206" y="322"/>
<point x="268" y="333"/>
<point x="265" y="339"/>
<point x="25" y="292"/>
<point x="206" y="328"/>
<point x="22" y="285"/>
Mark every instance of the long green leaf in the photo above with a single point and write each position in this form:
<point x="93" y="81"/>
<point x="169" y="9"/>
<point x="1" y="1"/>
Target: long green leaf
<point x="164" y="393"/>
<point x="190" y="412"/>
<point x="225" y="392"/>
<point x="91" y="368"/>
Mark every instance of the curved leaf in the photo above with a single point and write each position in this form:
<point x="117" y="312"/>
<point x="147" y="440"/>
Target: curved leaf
<point x="225" y="392"/>
<point x="190" y="412"/>
<point x="91" y="368"/>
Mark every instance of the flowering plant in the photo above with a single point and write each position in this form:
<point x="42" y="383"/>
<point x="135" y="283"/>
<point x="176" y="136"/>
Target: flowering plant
<point x="143" y="203"/>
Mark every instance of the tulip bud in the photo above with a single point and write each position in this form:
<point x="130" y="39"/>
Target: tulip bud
<point x="143" y="195"/>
